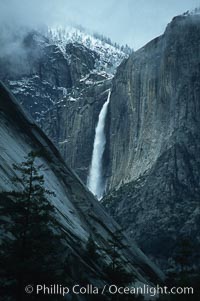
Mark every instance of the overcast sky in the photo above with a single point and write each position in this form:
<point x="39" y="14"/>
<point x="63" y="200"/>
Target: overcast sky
<point x="134" y="22"/>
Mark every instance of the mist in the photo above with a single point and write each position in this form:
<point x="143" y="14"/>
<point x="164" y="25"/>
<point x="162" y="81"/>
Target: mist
<point x="129" y="22"/>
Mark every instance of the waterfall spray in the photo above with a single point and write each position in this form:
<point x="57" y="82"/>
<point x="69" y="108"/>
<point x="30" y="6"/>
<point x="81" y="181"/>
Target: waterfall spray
<point x="95" y="179"/>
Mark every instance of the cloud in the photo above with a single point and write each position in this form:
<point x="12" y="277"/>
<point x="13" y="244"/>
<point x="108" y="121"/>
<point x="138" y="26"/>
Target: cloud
<point x="129" y="21"/>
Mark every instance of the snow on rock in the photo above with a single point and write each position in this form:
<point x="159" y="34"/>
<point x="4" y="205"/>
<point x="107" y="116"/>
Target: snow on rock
<point x="110" y="54"/>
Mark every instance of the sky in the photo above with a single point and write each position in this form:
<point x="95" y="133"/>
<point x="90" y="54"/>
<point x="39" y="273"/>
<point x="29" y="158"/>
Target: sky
<point x="132" y="22"/>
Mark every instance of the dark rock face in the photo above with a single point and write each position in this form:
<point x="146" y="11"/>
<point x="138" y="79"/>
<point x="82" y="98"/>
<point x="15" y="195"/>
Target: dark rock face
<point x="154" y="140"/>
<point x="63" y="90"/>
<point x="82" y="61"/>
<point x="72" y="127"/>
<point x="155" y="92"/>
<point x="54" y="68"/>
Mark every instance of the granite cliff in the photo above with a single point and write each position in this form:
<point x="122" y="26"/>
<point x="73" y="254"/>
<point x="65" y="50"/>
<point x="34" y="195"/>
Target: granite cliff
<point x="153" y="175"/>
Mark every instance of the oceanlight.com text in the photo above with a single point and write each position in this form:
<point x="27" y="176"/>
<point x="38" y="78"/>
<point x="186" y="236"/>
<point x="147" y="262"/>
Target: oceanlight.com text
<point x="89" y="289"/>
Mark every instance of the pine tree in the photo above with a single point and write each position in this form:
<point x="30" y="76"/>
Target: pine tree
<point x="183" y="254"/>
<point x="117" y="269"/>
<point x="91" y="249"/>
<point x="183" y="274"/>
<point x="31" y="244"/>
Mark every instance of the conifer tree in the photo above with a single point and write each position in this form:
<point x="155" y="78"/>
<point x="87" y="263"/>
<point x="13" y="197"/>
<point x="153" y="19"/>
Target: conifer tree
<point x="91" y="249"/>
<point x="117" y="269"/>
<point x="31" y="244"/>
<point x="183" y="254"/>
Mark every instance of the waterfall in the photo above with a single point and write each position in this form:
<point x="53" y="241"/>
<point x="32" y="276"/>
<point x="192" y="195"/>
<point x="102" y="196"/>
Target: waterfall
<point x="95" y="179"/>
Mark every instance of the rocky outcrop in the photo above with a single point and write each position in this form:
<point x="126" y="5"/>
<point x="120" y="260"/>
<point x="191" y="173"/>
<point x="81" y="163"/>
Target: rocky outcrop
<point x="81" y="60"/>
<point x="155" y="93"/>
<point x="154" y="142"/>
<point x="63" y="86"/>
<point x="71" y="125"/>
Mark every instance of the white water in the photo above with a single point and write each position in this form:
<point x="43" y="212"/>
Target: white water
<point x="95" y="179"/>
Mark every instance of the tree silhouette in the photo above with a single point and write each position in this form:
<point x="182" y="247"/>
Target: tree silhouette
<point x="117" y="268"/>
<point x="31" y="244"/>
<point x="183" y="254"/>
<point x="91" y="249"/>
